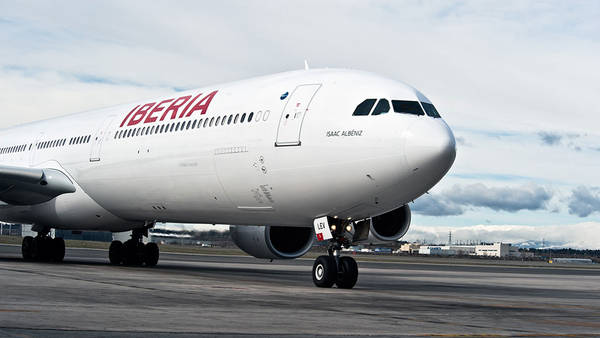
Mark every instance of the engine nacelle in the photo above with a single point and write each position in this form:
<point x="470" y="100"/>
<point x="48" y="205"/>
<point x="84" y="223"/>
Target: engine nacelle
<point x="390" y="226"/>
<point x="273" y="242"/>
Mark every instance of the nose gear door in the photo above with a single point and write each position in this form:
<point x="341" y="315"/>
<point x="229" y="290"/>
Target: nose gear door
<point x="290" y="122"/>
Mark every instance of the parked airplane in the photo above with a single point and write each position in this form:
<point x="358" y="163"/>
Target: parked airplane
<point x="330" y="155"/>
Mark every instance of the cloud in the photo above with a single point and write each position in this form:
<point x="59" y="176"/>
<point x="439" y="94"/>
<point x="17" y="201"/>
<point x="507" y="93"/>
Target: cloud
<point x="572" y="141"/>
<point x="67" y="56"/>
<point x="577" y="236"/>
<point x="431" y="206"/>
<point x="549" y="138"/>
<point x="455" y="200"/>
<point x="584" y="202"/>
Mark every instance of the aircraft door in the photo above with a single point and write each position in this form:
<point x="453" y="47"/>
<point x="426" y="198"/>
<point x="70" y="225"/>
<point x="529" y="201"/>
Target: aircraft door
<point x="290" y="122"/>
<point x="99" y="138"/>
<point x="34" y="149"/>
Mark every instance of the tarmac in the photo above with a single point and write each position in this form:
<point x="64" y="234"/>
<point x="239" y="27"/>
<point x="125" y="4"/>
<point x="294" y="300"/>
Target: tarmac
<point x="238" y="296"/>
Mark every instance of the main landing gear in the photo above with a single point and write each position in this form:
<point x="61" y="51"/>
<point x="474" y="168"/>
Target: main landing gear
<point x="43" y="248"/>
<point x="134" y="251"/>
<point x="333" y="269"/>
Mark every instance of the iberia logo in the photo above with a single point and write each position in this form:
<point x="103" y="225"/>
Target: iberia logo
<point x="171" y="108"/>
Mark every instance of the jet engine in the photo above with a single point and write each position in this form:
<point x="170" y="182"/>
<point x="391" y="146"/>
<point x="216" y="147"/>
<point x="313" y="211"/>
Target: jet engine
<point x="273" y="242"/>
<point x="390" y="226"/>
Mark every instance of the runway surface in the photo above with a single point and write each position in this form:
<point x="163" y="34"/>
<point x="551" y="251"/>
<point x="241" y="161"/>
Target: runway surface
<point x="187" y="295"/>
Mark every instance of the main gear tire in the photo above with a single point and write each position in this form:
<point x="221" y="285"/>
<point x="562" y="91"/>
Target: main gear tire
<point x="151" y="254"/>
<point x="115" y="252"/>
<point x="57" y="249"/>
<point x="27" y="248"/>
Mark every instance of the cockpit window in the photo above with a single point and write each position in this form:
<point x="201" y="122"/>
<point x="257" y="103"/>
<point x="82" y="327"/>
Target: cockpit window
<point x="407" y="107"/>
<point x="364" y="108"/>
<point x="430" y="110"/>
<point x="382" y="107"/>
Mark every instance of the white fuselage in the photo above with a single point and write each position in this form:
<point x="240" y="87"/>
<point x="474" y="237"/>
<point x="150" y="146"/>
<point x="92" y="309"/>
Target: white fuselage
<point x="302" y="156"/>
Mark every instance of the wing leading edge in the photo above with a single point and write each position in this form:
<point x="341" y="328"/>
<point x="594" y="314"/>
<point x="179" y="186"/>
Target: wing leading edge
<point x="29" y="186"/>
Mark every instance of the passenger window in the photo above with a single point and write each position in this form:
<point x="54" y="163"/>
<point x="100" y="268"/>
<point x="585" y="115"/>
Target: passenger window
<point x="218" y="120"/>
<point x="212" y="120"/>
<point x="223" y="120"/>
<point x="194" y="124"/>
<point x="250" y="116"/>
<point x="229" y="119"/>
<point x="188" y="125"/>
<point x="199" y="123"/>
<point x="407" y="107"/>
<point x="382" y="107"/>
<point x="430" y="110"/>
<point x="364" y="108"/>
<point x="205" y="122"/>
<point x="243" y="118"/>
<point x="237" y="117"/>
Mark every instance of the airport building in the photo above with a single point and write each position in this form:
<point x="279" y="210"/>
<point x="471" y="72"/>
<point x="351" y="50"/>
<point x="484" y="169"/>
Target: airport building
<point x="496" y="250"/>
<point x="489" y="250"/>
<point x="408" y="248"/>
<point x="96" y="236"/>
<point x="7" y="229"/>
<point x="570" y="261"/>
<point x="435" y="250"/>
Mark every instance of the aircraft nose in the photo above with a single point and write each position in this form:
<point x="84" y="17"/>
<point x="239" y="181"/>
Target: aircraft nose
<point x="430" y="147"/>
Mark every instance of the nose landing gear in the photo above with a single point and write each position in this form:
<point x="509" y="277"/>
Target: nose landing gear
<point x="333" y="269"/>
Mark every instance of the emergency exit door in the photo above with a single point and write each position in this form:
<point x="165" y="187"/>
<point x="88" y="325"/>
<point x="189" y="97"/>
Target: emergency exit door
<point x="296" y="108"/>
<point x="98" y="140"/>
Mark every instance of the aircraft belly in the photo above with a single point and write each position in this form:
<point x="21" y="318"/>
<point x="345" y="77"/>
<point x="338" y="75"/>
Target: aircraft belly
<point x="150" y="190"/>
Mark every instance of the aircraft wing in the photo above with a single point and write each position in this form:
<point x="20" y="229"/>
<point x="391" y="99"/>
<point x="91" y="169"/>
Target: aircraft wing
<point x="28" y="186"/>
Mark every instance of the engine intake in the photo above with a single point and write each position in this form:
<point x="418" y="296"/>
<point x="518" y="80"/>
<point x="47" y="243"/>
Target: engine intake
<point x="273" y="242"/>
<point x="392" y="225"/>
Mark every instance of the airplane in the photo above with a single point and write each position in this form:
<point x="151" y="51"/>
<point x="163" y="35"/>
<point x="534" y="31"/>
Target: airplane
<point x="287" y="160"/>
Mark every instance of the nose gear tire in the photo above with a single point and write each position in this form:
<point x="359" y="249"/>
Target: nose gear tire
<point x="324" y="272"/>
<point x="348" y="275"/>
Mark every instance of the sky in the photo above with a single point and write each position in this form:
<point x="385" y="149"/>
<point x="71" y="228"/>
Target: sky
<point x="515" y="80"/>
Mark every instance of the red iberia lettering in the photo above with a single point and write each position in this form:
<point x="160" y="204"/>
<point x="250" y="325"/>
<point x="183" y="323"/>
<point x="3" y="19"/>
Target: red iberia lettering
<point x="203" y="104"/>
<point x="147" y="112"/>
<point x="127" y="117"/>
<point x="139" y="116"/>
<point x="157" y="109"/>
<point x="189" y="104"/>
<point x="174" y="107"/>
